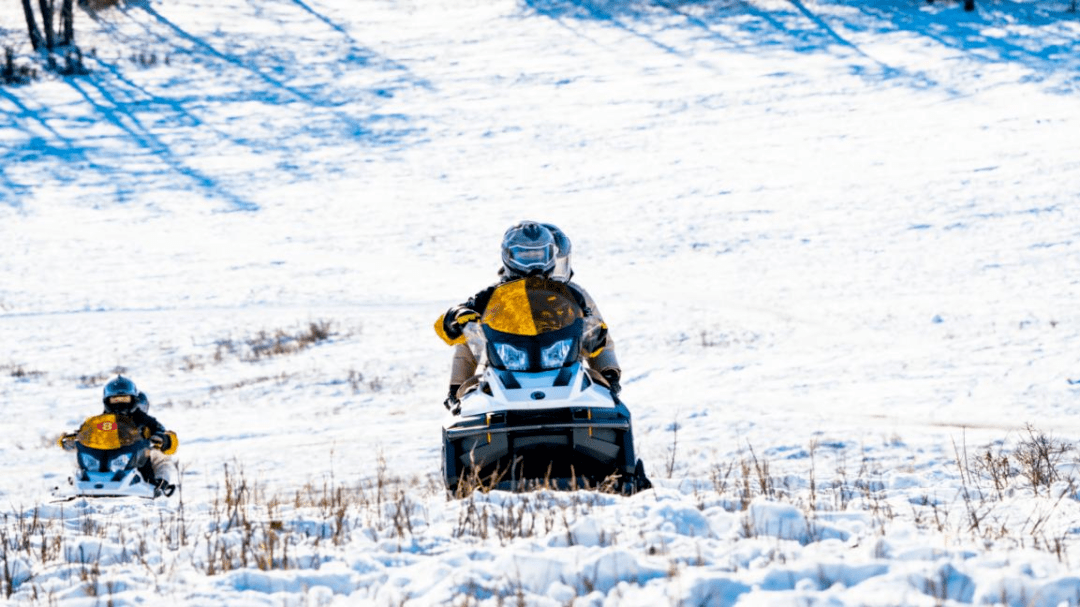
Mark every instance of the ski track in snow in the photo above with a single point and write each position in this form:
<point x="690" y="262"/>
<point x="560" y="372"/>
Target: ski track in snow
<point x="835" y="239"/>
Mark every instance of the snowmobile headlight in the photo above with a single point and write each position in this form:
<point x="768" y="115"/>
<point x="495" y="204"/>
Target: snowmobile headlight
<point x="555" y="355"/>
<point x="119" y="462"/>
<point x="89" y="461"/>
<point x="515" y="359"/>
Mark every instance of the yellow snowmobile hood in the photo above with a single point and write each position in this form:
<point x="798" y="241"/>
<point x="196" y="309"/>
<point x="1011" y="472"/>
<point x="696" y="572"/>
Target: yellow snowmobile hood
<point x="106" y="432"/>
<point x="530" y="307"/>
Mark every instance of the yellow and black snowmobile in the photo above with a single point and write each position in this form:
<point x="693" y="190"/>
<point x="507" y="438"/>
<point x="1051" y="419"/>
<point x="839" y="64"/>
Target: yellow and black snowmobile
<point x="536" y="416"/>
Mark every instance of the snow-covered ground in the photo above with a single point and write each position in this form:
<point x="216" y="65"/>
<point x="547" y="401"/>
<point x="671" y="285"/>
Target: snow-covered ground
<point x="837" y="243"/>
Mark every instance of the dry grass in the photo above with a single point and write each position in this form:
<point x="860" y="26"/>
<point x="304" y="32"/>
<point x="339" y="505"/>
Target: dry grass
<point x="246" y="526"/>
<point x="19" y="371"/>
<point x="97" y="379"/>
<point x="265" y="344"/>
<point x="276" y="342"/>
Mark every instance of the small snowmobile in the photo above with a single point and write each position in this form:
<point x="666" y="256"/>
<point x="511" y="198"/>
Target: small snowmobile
<point x="109" y="454"/>
<point x="537" y="416"/>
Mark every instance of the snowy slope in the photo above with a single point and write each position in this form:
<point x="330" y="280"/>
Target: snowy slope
<point x="836" y="243"/>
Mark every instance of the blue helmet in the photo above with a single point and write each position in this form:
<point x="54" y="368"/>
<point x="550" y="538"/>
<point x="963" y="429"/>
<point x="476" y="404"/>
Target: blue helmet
<point x="142" y="402"/>
<point x="120" y="395"/>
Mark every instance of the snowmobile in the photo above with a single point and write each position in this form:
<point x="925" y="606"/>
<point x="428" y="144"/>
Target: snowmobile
<point x="109" y="454"/>
<point x="536" y="416"/>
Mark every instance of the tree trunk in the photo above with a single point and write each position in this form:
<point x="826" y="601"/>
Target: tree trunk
<point x="47" y="23"/>
<point x="36" y="40"/>
<point x="67" y="23"/>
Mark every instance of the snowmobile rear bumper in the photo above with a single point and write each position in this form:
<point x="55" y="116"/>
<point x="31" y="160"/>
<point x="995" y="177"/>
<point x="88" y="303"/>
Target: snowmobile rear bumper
<point x="559" y="448"/>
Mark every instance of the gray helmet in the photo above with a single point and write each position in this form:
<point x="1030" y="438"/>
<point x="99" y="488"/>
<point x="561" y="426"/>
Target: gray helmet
<point x="120" y="395"/>
<point x="527" y="249"/>
<point x="562" y="271"/>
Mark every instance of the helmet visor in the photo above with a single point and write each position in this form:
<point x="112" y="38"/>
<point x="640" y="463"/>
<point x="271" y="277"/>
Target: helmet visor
<point x="120" y="403"/>
<point x="536" y="257"/>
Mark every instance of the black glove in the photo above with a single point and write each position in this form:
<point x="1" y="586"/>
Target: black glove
<point x="457" y="318"/>
<point x="164" y="487"/>
<point x="612" y="377"/>
<point x="452" y="404"/>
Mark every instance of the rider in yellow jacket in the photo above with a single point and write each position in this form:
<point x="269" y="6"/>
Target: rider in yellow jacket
<point x="528" y="249"/>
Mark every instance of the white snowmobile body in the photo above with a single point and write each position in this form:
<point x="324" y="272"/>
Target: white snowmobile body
<point x="536" y="416"/>
<point x="126" y="483"/>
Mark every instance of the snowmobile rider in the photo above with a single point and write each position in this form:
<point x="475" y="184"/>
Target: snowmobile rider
<point x="123" y="399"/>
<point x="528" y="249"/>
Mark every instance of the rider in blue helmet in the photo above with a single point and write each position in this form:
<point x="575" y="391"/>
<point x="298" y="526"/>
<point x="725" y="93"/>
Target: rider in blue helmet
<point x="122" y="398"/>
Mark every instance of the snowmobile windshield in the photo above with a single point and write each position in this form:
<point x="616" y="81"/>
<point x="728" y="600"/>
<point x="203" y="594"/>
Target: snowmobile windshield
<point x="106" y="443"/>
<point x="108" y="432"/>
<point x="533" y="324"/>
<point x="531" y="306"/>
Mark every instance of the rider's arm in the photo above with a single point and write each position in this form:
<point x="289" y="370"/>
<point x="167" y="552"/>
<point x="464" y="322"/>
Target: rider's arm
<point x="601" y="351"/>
<point x="448" y="327"/>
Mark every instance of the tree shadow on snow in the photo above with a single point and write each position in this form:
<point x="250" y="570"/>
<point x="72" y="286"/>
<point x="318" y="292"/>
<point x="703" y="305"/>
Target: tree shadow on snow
<point x="44" y="140"/>
<point x="746" y="26"/>
<point x="998" y="32"/>
<point x="162" y="130"/>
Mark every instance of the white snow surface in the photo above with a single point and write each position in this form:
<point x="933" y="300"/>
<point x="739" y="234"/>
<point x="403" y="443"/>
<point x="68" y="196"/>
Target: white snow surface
<point x="837" y="243"/>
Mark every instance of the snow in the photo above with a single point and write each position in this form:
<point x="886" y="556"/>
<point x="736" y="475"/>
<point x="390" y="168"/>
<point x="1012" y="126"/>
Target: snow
<point x="837" y="244"/>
